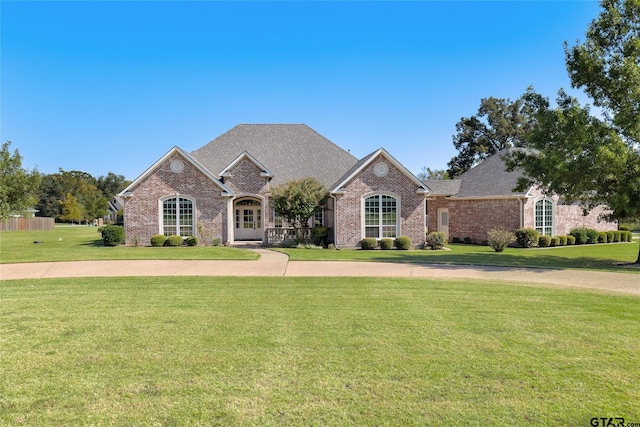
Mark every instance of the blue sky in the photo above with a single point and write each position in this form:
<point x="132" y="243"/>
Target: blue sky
<point x="111" y="86"/>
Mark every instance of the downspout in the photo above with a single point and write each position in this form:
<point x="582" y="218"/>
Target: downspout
<point x="335" y="218"/>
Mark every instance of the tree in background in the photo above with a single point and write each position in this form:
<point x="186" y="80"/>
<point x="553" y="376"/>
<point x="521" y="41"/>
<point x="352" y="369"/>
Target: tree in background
<point x="435" y="174"/>
<point x="585" y="158"/>
<point x="92" y="194"/>
<point x="499" y="124"/>
<point x="297" y="201"/>
<point x="71" y="210"/>
<point x="18" y="186"/>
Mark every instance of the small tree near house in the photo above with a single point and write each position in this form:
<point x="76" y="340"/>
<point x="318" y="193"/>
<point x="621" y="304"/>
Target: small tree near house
<point x="297" y="201"/>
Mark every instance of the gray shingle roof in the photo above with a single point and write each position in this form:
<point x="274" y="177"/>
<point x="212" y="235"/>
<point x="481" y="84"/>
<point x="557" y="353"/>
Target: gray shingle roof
<point x="490" y="179"/>
<point x="443" y="187"/>
<point x="289" y="151"/>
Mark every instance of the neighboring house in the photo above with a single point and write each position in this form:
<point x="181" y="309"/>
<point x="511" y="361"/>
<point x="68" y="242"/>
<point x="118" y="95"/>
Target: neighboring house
<point x="222" y="191"/>
<point x="483" y="198"/>
<point x="114" y="205"/>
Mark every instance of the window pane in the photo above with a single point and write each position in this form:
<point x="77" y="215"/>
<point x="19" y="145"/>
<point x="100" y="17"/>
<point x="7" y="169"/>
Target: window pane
<point x="186" y="218"/>
<point x="169" y="217"/>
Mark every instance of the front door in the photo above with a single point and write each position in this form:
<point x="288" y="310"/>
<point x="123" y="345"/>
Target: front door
<point x="248" y="220"/>
<point x="443" y="222"/>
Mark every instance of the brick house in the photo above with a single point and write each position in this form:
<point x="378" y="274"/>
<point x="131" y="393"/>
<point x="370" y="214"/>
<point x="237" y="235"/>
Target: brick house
<point x="222" y="191"/>
<point x="483" y="198"/>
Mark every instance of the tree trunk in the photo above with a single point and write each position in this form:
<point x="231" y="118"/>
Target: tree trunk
<point x="638" y="260"/>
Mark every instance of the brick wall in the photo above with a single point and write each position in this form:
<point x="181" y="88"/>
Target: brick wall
<point x="245" y="180"/>
<point x="142" y="210"/>
<point x="473" y="218"/>
<point x="568" y="216"/>
<point x="349" y="206"/>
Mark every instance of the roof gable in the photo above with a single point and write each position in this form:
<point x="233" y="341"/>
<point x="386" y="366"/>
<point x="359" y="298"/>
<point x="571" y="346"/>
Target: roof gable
<point x="175" y="150"/>
<point x="367" y="160"/>
<point x="245" y="155"/>
<point x="489" y="178"/>
<point x="291" y="151"/>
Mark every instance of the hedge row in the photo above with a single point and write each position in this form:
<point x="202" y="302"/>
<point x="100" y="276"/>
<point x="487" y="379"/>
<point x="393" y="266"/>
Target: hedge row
<point x="528" y="237"/>
<point x="401" y="242"/>
<point x="175" y="240"/>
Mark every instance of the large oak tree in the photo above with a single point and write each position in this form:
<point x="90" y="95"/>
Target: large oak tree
<point x="499" y="124"/>
<point x="587" y="158"/>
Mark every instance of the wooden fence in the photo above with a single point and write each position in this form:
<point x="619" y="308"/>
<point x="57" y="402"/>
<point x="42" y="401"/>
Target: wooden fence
<point x="30" y="224"/>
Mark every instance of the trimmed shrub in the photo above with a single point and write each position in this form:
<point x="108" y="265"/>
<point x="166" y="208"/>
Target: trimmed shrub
<point x="386" y="244"/>
<point x="616" y="236"/>
<point x="583" y="235"/>
<point x="555" y="241"/>
<point x="403" y="243"/>
<point x="456" y="240"/>
<point x="436" y="240"/>
<point x="216" y="242"/>
<point x="570" y="240"/>
<point x="192" y="241"/>
<point x="158" y="240"/>
<point x="468" y="240"/>
<point x="527" y="237"/>
<point x="500" y="238"/>
<point x="319" y="235"/>
<point x="332" y="247"/>
<point x="368" y="243"/>
<point x="609" y="236"/>
<point x="563" y="240"/>
<point x="628" y="235"/>
<point x="602" y="237"/>
<point x="544" y="241"/>
<point x="173" y="240"/>
<point x="112" y="235"/>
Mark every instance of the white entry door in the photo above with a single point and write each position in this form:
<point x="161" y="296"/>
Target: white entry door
<point x="443" y="221"/>
<point x="248" y="223"/>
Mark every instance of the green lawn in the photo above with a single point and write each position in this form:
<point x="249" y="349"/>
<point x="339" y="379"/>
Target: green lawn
<point x="598" y="257"/>
<point x="314" y="351"/>
<point x="84" y="243"/>
<point x="81" y="243"/>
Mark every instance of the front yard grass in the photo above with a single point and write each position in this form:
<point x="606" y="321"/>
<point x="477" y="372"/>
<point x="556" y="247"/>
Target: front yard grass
<point x="605" y="257"/>
<point x="314" y="351"/>
<point x="81" y="243"/>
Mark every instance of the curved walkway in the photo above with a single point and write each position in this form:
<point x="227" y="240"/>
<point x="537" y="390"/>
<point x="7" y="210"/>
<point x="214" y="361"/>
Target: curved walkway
<point x="277" y="264"/>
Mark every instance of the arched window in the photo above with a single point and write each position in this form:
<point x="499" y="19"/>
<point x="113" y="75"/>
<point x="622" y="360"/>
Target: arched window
<point x="177" y="217"/>
<point x="544" y="217"/>
<point x="380" y="216"/>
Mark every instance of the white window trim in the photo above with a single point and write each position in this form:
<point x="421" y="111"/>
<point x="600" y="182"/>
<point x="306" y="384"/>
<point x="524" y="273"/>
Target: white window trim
<point x="161" y="212"/>
<point x="553" y="214"/>
<point x="363" y="227"/>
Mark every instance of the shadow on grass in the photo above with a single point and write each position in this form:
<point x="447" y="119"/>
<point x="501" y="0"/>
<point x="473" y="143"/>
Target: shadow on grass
<point x="92" y="243"/>
<point x="547" y="261"/>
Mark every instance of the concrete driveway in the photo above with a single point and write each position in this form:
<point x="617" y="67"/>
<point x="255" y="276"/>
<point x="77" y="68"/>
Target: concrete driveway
<point x="276" y="264"/>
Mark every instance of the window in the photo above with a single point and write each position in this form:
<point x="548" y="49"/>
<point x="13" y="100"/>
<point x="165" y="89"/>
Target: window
<point x="380" y="216"/>
<point x="318" y="218"/>
<point x="278" y="220"/>
<point x="177" y="217"/>
<point x="544" y="217"/>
